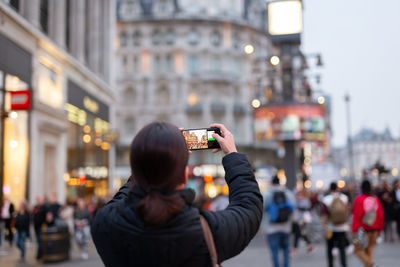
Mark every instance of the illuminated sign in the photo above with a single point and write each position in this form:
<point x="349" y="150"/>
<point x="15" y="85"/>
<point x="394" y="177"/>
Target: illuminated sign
<point x="285" y="20"/>
<point x="90" y="104"/>
<point x="20" y="100"/>
<point x="79" y="116"/>
<point x="290" y="122"/>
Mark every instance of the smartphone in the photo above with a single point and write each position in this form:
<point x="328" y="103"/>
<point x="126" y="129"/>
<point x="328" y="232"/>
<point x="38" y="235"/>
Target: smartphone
<point x="197" y="139"/>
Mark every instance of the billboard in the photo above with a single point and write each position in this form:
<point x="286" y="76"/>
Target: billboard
<point x="290" y="122"/>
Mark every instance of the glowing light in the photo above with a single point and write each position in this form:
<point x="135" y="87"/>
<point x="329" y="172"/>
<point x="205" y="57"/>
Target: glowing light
<point x="321" y="100"/>
<point x="6" y="190"/>
<point x="98" y="142"/>
<point x="341" y="184"/>
<point x="343" y="172"/>
<point x="319" y="184"/>
<point x="249" y="49"/>
<point x="208" y="178"/>
<point x="14" y="143"/>
<point x="225" y="190"/>
<point x="275" y="60"/>
<point x="13" y="115"/>
<point x="86" y="129"/>
<point x="105" y="146"/>
<point x="212" y="191"/>
<point x="66" y="177"/>
<point x="395" y="172"/>
<point x="87" y="138"/>
<point x="307" y="184"/>
<point x="255" y="103"/>
<point x="82" y="179"/>
<point x="281" y="174"/>
<point x="192" y="99"/>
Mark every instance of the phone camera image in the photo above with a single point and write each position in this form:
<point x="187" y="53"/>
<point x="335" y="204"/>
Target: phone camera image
<point x="197" y="139"/>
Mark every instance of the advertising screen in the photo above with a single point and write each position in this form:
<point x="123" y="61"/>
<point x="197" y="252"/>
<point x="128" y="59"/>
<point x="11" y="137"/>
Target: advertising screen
<point x="290" y="122"/>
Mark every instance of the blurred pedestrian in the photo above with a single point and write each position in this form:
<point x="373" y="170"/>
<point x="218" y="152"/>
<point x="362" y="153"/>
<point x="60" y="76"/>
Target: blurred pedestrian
<point x="301" y="220"/>
<point x="39" y="217"/>
<point x="388" y="203"/>
<point x="396" y="198"/>
<point x="54" y="206"/>
<point x="22" y="224"/>
<point x="335" y="215"/>
<point x="277" y="221"/>
<point x="368" y="222"/>
<point x="67" y="214"/>
<point x="82" y="228"/>
<point x="7" y="213"/>
<point x="152" y="221"/>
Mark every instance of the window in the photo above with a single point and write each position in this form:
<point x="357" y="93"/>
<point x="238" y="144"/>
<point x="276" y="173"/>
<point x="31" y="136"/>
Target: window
<point x="236" y="66"/>
<point x="163" y="96"/>
<point x="170" y="37"/>
<point x="129" y="127"/>
<point x="136" y="64"/>
<point x="215" y="38"/>
<point x="67" y="24"/>
<point x="157" y="64"/>
<point x="193" y="64"/>
<point x="125" y="63"/>
<point x="129" y="95"/>
<point x="193" y="37"/>
<point x="13" y="3"/>
<point x="44" y="15"/>
<point x="137" y="36"/>
<point x="216" y="64"/>
<point x="123" y="39"/>
<point x="156" y="37"/>
<point x="236" y="41"/>
<point x="169" y="63"/>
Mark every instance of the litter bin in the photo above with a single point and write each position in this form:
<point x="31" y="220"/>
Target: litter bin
<point x="55" y="243"/>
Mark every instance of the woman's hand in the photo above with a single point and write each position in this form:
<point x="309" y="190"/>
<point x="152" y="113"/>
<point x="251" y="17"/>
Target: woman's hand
<point x="225" y="140"/>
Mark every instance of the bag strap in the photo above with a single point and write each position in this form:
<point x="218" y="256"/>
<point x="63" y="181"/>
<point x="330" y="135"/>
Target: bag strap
<point x="208" y="237"/>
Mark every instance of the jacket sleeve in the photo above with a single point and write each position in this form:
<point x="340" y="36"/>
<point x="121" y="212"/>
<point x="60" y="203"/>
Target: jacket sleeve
<point x="234" y="227"/>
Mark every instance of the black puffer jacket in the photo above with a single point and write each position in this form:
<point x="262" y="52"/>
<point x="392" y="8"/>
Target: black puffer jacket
<point x="122" y="239"/>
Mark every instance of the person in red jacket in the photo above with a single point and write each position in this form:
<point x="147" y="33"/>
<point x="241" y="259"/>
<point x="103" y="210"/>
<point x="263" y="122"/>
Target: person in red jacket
<point x="367" y="215"/>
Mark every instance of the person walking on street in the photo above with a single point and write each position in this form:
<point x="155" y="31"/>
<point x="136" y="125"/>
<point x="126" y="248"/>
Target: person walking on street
<point x="152" y="221"/>
<point x="368" y="223"/>
<point x="82" y="228"/>
<point x="22" y="224"/>
<point x="277" y="222"/>
<point x="39" y="217"/>
<point x="7" y="213"/>
<point x="335" y="213"/>
<point x="301" y="221"/>
<point x="396" y="198"/>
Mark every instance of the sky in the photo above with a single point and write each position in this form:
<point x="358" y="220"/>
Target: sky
<point x="360" y="45"/>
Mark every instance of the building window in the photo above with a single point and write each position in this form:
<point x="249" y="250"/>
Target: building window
<point x="170" y="37"/>
<point x="157" y="64"/>
<point x="125" y="63"/>
<point x="215" y="38"/>
<point x="193" y="64"/>
<point x="156" y="37"/>
<point x="163" y="96"/>
<point x="129" y="127"/>
<point x="193" y="37"/>
<point x="216" y="64"/>
<point x="236" y="68"/>
<point x="67" y="24"/>
<point x="236" y="41"/>
<point x="13" y="3"/>
<point x="123" y="39"/>
<point x="129" y="95"/>
<point x="137" y="36"/>
<point x="169" y="63"/>
<point x="136" y="64"/>
<point x="44" y="15"/>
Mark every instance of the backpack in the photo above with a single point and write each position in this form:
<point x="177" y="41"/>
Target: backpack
<point x="338" y="211"/>
<point x="280" y="208"/>
<point x="369" y="217"/>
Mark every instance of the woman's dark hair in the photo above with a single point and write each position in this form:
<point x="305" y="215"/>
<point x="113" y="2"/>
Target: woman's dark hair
<point x="158" y="159"/>
<point x="366" y="187"/>
<point x="333" y="186"/>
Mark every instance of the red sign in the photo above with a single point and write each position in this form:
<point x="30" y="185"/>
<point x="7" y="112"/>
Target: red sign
<point x="21" y="100"/>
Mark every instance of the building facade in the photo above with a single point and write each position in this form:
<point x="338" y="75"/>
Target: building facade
<point x="60" y="52"/>
<point x="183" y="62"/>
<point x="370" y="147"/>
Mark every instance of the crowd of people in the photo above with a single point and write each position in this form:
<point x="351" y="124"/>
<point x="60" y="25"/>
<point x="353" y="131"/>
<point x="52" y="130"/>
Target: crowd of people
<point x="351" y="218"/>
<point x="75" y="215"/>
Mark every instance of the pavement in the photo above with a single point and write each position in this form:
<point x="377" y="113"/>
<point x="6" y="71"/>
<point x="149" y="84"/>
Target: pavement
<point x="255" y="255"/>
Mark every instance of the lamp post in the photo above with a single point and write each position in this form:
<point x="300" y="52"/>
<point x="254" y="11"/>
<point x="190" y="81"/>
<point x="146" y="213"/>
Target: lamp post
<point x="349" y="139"/>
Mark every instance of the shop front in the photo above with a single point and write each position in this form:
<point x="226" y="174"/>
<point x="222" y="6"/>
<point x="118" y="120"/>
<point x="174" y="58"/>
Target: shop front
<point x="15" y="79"/>
<point x="88" y="143"/>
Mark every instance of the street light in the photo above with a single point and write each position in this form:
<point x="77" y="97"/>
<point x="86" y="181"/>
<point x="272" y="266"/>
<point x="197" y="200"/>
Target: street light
<point x="249" y="49"/>
<point x="256" y="103"/>
<point x="275" y="60"/>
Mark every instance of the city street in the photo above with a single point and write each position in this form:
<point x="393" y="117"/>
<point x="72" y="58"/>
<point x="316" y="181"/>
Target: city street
<point x="256" y="255"/>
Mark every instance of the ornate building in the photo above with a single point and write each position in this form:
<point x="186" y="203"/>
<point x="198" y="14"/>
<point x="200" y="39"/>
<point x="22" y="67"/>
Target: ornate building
<point x="183" y="61"/>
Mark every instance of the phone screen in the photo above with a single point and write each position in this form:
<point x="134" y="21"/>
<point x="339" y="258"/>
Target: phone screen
<point x="201" y="138"/>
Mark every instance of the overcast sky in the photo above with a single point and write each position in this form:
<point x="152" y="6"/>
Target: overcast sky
<point x="360" y="44"/>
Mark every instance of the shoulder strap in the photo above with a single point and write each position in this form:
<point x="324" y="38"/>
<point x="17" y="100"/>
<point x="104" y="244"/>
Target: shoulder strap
<point x="210" y="241"/>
